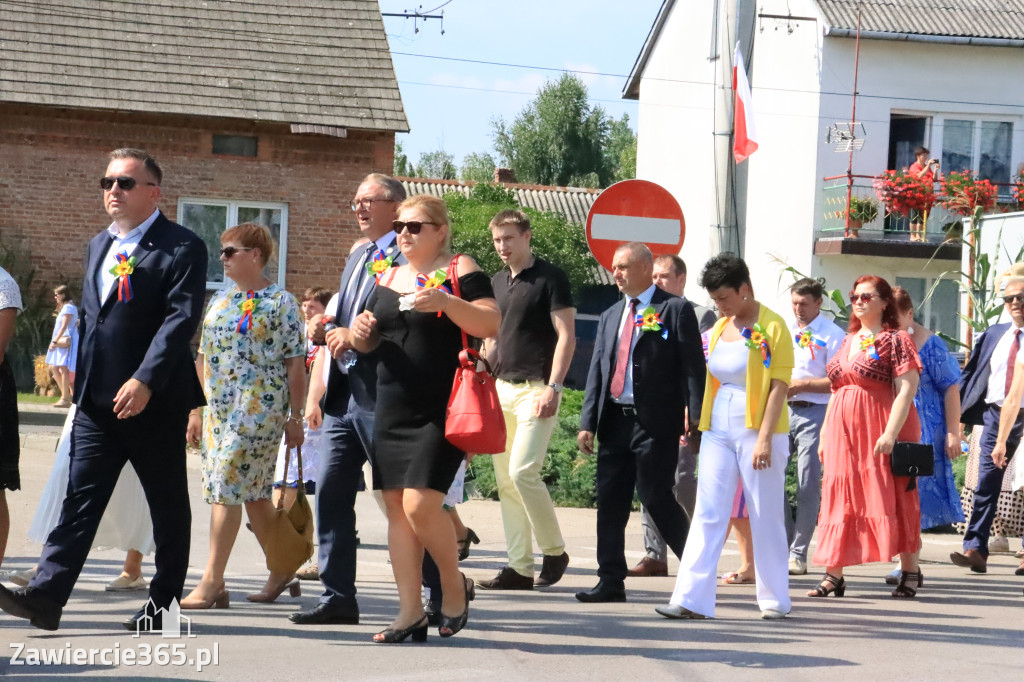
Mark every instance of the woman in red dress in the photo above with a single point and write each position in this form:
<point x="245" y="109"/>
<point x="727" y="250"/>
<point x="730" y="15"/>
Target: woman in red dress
<point x="867" y="514"/>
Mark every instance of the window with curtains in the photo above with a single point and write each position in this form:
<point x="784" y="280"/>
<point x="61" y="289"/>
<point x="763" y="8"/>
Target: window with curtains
<point x="982" y="146"/>
<point x="209" y="218"/>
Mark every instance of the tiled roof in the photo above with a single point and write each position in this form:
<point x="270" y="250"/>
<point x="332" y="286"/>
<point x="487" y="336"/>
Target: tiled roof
<point x="572" y="202"/>
<point x="322" y="62"/>
<point x="992" y="19"/>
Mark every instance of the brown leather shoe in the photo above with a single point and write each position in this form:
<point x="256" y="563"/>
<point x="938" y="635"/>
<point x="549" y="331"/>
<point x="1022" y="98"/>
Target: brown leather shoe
<point x="970" y="558"/>
<point x="648" y="568"/>
<point x="507" y="579"/>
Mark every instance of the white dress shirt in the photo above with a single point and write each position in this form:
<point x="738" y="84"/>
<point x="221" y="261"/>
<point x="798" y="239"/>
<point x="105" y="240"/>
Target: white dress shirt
<point x="104" y="278"/>
<point x="645" y="300"/>
<point x="997" y="367"/>
<point x="804" y="367"/>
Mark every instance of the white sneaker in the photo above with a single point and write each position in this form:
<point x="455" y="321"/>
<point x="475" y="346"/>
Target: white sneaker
<point x="797" y="566"/>
<point x="773" y="614"/>
<point x="999" y="544"/>
<point x="21" y="578"/>
<point x="124" y="583"/>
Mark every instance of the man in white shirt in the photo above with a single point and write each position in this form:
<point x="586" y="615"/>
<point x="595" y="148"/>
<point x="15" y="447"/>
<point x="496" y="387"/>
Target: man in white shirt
<point x="816" y="340"/>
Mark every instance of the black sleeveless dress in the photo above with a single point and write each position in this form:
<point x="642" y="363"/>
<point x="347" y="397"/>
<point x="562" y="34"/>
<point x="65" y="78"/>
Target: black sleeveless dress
<point x="418" y="356"/>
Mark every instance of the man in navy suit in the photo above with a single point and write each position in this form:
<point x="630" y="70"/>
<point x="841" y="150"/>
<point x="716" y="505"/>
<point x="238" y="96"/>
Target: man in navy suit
<point x="983" y="386"/>
<point x="643" y="375"/>
<point x="142" y="300"/>
<point x="349" y="404"/>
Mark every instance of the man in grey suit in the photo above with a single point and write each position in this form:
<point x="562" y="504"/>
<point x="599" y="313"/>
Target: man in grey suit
<point x="348" y="408"/>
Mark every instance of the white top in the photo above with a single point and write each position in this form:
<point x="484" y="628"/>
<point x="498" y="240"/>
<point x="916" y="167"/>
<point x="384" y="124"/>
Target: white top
<point x="728" y="363"/>
<point x="806" y="367"/>
<point x="997" y="367"/>
<point x="128" y="243"/>
<point x="10" y="293"/>
<point x="645" y="300"/>
<point x="332" y="305"/>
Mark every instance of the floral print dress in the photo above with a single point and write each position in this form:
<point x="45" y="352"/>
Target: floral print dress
<point x="246" y="391"/>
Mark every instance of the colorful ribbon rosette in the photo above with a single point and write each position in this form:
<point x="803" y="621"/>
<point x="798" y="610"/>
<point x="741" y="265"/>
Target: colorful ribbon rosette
<point x="248" y="307"/>
<point x="807" y="340"/>
<point x="433" y="281"/>
<point x="648" y="320"/>
<point x="756" y="339"/>
<point x="867" y="344"/>
<point x="379" y="264"/>
<point x="123" y="271"/>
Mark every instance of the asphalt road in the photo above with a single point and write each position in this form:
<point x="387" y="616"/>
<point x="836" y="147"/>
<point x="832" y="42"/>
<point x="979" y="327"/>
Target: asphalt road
<point x="961" y="624"/>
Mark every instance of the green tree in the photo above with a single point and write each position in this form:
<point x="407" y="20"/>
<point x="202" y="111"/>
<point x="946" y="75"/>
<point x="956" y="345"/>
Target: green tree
<point x="401" y="166"/>
<point x="558" y="139"/>
<point x="478" y="167"/>
<point x="552" y="236"/>
<point x="438" y="165"/>
<point x="620" y="152"/>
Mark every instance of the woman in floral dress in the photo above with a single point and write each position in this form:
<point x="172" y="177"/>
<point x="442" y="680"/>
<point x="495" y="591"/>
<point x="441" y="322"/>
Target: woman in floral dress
<point x="252" y="365"/>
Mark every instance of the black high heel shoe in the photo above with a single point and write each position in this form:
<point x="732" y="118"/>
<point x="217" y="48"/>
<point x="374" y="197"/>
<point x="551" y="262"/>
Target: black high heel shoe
<point x="418" y="630"/>
<point x="464" y="544"/>
<point x="452" y="624"/>
<point x="910" y="583"/>
<point x="829" y="585"/>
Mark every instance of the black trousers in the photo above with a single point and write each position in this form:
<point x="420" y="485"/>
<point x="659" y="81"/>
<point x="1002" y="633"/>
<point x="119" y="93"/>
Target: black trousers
<point x="154" y="443"/>
<point x="627" y="457"/>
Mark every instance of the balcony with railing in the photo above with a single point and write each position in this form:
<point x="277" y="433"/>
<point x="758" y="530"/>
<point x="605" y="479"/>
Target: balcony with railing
<point x="888" y="234"/>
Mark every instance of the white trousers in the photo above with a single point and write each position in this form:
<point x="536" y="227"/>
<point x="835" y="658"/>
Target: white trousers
<point x="726" y="454"/>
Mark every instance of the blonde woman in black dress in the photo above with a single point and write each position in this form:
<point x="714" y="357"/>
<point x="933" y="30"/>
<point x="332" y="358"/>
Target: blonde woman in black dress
<point x="416" y="332"/>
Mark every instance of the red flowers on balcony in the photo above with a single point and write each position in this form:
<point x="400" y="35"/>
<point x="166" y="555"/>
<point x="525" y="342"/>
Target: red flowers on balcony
<point x="903" y="192"/>
<point x="962" y="193"/>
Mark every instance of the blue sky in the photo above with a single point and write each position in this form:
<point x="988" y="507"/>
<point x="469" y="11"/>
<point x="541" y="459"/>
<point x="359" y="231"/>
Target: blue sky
<point x="450" y="104"/>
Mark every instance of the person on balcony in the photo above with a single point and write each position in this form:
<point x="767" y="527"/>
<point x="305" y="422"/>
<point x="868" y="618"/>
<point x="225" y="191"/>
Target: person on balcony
<point x="922" y="170"/>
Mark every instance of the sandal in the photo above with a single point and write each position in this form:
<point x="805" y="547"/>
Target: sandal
<point x="910" y="582"/>
<point x="737" y="578"/>
<point x="830" y="585"/>
<point x="894" y="578"/>
<point x="463" y="544"/>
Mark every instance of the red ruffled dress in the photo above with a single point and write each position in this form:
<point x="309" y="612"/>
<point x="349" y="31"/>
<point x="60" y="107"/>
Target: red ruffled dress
<point x="867" y="514"/>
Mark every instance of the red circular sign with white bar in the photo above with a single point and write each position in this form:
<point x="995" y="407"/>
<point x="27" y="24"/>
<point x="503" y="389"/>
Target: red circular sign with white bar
<point x="635" y="211"/>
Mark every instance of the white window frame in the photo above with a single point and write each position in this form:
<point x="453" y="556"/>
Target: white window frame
<point x="232" y="219"/>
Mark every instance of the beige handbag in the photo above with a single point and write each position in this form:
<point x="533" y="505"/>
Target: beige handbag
<point x="289" y="542"/>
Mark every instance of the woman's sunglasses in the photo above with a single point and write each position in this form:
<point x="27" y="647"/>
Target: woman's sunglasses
<point x="229" y="251"/>
<point x="414" y="226"/>
<point x="863" y="298"/>
<point x="124" y="182"/>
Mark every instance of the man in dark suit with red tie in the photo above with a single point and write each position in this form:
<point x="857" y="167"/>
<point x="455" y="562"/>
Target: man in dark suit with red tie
<point x="142" y="300"/>
<point x="647" y="367"/>
<point x="983" y="387"/>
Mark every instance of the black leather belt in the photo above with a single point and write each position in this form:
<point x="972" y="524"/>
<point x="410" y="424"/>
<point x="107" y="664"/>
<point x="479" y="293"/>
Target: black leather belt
<point x="804" y="403"/>
<point x="628" y="410"/>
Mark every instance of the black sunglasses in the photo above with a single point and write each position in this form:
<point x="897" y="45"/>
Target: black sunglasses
<point x="414" y="226"/>
<point x="229" y="251"/>
<point x="124" y="182"/>
<point x="1013" y="298"/>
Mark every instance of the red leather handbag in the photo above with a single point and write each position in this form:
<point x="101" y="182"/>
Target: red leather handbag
<point x="474" y="423"/>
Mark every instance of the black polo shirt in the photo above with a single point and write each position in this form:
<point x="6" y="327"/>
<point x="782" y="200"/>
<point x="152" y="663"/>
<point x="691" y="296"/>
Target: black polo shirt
<point x="527" y="338"/>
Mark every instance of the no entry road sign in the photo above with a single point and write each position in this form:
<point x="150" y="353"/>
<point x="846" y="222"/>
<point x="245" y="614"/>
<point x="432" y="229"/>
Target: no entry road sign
<point x="634" y="211"/>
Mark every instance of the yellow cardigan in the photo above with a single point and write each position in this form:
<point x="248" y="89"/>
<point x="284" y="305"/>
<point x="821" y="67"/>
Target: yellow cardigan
<point x="759" y="378"/>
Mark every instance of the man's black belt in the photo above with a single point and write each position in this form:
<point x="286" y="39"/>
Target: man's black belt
<point x="804" y="403"/>
<point x="628" y="410"/>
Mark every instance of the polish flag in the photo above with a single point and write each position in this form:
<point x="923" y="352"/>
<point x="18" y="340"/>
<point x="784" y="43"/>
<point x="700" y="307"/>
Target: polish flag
<point x="744" y="133"/>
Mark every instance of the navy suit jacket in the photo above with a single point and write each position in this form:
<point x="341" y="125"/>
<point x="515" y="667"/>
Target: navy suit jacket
<point x="149" y="337"/>
<point x="668" y="374"/>
<point x="360" y="384"/>
<point x="974" y="378"/>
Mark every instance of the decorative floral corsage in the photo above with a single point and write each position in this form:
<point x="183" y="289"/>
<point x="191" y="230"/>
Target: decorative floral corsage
<point x="756" y="339"/>
<point x="123" y="271"/>
<point x="434" y="280"/>
<point x="248" y="307"/>
<point x="807" y="340"/>
<point x="867" y="344"/>
<point x="379" y="264"/>
<point x="648" y="320"/>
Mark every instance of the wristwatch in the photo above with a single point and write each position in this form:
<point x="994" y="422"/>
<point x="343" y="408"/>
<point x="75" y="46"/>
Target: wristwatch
<point x="555" y="386"/>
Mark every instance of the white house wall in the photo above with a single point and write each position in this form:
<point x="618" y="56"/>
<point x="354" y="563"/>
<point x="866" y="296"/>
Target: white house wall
<point x="675" y="120"/>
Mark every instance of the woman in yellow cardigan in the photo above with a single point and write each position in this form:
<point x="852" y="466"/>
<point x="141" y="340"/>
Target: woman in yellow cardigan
<point x="750" y="360"/>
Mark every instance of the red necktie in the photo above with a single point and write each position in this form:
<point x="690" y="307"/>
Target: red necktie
<point x="622" y="354"/>
<point x="1012" y="360"/>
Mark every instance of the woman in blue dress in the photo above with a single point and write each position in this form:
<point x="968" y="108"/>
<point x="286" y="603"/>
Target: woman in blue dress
<point x="938" y="407"/>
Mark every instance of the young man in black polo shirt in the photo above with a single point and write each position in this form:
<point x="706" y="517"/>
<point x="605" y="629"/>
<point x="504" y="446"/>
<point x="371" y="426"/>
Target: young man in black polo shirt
<point x="531" y="357"/>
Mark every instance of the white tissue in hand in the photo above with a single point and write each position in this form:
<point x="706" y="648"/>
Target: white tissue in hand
<point x="406" y="302"/>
